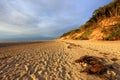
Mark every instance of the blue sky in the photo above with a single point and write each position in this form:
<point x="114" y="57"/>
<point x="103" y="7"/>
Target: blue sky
<point x="43" y="19"/>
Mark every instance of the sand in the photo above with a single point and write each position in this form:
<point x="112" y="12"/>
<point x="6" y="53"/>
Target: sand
<point x="54" y="60"/>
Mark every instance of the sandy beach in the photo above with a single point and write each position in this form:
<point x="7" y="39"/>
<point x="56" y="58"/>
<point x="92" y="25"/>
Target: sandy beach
<point x="54" y="60"/>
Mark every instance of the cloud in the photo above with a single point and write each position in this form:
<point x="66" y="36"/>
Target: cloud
<point x="43" y="19"/>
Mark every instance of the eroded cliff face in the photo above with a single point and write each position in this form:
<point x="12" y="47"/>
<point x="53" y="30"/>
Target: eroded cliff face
<point x="109" y="21"/>
<point x="103" y="25"/>
<point x="103" y="30"/>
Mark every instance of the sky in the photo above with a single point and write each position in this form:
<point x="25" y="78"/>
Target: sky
<point x="43" y="19"/>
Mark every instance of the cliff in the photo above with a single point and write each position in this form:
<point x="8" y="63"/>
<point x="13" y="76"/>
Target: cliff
<point x="103" y="25"/>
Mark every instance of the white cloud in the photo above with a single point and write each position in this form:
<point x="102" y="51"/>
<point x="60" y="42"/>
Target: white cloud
<point x="43" y="18"/>
<point x="4" y="27"/>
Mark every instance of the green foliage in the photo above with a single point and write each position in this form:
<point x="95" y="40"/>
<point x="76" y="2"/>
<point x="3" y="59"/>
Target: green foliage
<point x="85" y="35"/>
<point x="86" y="26"/>
<point x="70" y="32"/>
<point x="110" y="10"/>
<point x="107" y="11"/>
<point x="114" y="34"/>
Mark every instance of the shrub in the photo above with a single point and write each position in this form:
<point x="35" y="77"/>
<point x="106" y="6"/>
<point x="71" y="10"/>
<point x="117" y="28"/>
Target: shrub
<point x="85" y="35"/>
<point x="70" y="32"/>
<point x="114" y="34"/>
